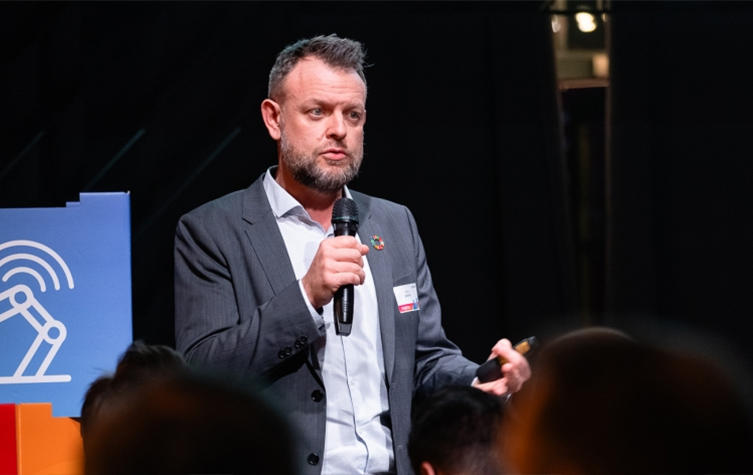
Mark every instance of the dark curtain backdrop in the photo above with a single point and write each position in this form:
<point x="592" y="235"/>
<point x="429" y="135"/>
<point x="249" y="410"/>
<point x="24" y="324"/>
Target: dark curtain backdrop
<point x="680" y="174"/>
<point x="162" y="99"/>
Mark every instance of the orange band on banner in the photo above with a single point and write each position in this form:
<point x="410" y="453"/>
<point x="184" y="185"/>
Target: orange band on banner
<point x="47" y="444"/>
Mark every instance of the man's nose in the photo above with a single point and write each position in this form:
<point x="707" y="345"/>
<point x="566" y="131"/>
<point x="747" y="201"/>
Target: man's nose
<point x="336" y="127"/>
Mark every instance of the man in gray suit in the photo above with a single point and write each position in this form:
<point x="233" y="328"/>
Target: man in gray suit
<point x="256" y="272"/>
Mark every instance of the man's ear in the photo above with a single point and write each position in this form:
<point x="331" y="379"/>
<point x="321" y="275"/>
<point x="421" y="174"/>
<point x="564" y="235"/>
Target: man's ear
<point x="427" y="469"/>
<point x="270" y="112"/>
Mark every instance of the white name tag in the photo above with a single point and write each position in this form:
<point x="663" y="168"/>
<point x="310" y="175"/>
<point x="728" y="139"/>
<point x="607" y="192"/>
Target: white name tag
<point x="407" y="297"/>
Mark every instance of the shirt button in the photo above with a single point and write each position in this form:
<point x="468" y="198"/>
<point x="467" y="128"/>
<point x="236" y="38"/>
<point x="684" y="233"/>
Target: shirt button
<point x="317" y="396"/>
<point x="313" y="459"/>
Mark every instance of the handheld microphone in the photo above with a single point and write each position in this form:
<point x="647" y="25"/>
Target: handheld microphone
<point x="492" y="369"/>
<point x="345" y="222"/>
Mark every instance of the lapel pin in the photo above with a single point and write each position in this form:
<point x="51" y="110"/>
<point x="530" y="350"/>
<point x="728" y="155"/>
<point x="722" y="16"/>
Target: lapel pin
<point x="377" y="242"/>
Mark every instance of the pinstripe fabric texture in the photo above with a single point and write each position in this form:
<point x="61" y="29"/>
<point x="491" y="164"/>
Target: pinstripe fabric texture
<point x="239" y="309"/>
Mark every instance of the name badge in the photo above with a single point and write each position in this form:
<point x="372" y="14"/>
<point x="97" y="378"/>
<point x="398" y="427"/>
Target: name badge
<point x="407" y="297"/>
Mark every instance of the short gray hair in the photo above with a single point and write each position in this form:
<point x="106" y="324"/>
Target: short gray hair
<point x="337" y="52"/>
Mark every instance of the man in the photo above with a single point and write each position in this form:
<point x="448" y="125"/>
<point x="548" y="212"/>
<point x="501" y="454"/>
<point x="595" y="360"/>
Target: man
<point x="456" y="432"/>
<point x="256" y="272"/>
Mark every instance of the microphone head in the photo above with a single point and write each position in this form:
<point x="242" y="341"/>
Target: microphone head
<point x="345" y="209"/>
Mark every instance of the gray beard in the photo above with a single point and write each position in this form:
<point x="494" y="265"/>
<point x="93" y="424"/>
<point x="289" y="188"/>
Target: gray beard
<point x="306" y="172"/>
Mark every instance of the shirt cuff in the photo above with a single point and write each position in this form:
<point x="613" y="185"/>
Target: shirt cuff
<point x="315" y="314"/>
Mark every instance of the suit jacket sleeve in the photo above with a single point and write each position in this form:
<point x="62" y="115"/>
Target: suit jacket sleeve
<point x="238" y="304"/>
<point x="438" y="360"/>
<point x="417" y="351"/>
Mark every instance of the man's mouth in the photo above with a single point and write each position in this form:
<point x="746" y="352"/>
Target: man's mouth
<point x="335" y="154"/>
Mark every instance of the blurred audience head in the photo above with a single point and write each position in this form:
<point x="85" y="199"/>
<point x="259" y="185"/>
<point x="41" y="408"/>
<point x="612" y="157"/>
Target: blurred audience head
<point x="601" y="402"/>
<point x="137" y="364"/>
<point x="454" y="432"/>
<point x="184" y="424"/>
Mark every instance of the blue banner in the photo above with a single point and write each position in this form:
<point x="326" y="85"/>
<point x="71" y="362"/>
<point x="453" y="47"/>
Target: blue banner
<point x="65" y="298"/>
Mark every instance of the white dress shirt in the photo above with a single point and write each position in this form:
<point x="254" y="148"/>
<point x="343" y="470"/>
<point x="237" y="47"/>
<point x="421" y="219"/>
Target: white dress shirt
<point x="352" y="366"/>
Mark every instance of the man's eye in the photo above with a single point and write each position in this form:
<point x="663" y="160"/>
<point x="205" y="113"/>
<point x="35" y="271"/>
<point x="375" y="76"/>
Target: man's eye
<point x="316" y="111"/>
<point x="355" y="115"/>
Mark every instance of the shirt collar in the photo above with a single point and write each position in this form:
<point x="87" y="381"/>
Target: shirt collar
<point x="281" y="202"/>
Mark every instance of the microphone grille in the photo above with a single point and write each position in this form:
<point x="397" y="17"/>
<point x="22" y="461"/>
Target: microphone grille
<point x="345" y="209"/>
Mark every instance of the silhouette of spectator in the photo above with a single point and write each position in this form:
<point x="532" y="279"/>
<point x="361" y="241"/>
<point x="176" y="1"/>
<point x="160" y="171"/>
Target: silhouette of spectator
<point x="187" y="424"/>
<point x="455" y="432"/>
<point x="139" y="362"/>
<point x="601" y="402"/>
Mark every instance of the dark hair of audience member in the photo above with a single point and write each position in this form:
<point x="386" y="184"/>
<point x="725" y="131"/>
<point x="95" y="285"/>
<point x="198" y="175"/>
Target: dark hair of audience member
<point x="139" y="362"/>
<point x="454" y="431"/>
<point x="188" y="424"/>
<point x="601" y="402"/>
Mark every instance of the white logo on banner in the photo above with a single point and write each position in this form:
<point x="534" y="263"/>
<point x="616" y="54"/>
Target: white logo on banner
<point x="23" y="302"/>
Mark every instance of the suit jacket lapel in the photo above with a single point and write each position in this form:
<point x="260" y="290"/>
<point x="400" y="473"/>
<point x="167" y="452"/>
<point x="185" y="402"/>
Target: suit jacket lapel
<point x="265" y="237"/>
<point x="266" y="240"/>
<point x="381" y="272"/>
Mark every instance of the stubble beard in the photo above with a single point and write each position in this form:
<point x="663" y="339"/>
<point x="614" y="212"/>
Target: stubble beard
<point x="306" y="170"/>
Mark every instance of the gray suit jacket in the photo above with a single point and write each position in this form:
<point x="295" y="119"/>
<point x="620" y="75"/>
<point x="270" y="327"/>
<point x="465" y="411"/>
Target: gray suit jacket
<point x="239" y="308"/>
